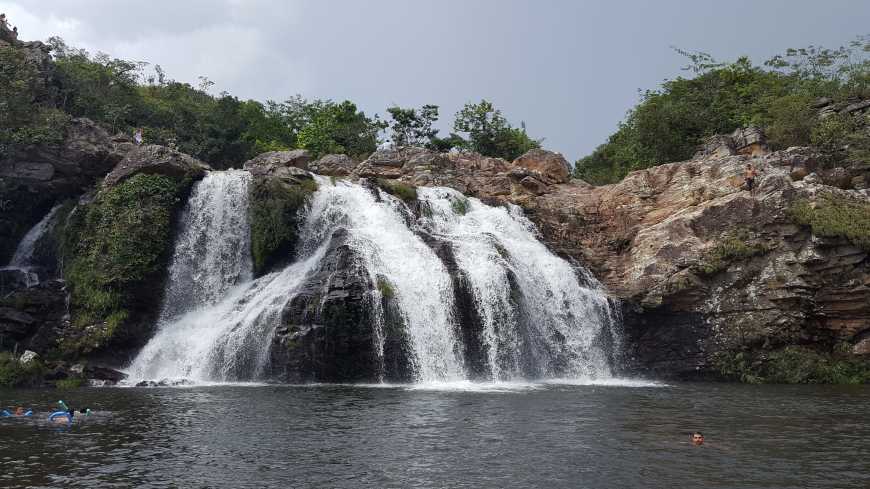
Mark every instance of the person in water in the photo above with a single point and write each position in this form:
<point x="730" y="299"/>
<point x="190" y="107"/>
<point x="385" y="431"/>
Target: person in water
<point x="697" y="438"/>
<point x="19" y="411"/>
<point x="750" y="175"/>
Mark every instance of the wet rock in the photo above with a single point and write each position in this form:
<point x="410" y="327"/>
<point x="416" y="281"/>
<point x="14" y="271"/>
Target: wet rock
<point x="328" y="331"/>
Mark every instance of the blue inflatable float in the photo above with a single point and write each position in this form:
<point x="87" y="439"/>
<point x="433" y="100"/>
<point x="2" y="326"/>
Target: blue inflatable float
<point x="7" y="414"/>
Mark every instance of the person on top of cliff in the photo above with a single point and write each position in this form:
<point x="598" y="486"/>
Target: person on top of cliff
<point x="3" y="20"/>
<point x="137" y="136"/>
<point x="750" y="175"/>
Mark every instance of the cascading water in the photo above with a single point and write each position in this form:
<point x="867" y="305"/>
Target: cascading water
<point x="393" y="253"/>
<point x="22" y="259"/>
<point x="539" y="318"/>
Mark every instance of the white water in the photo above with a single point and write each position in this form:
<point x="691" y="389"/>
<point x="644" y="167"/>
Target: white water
<point x="421" y="285"/>
<point x="22" y="259"/>
<point x="213" y="247"/>
<point x="217" y="323"/>
<point x="564" y="318"/>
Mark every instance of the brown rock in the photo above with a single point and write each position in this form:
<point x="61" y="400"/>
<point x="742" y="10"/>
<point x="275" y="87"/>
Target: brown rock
<point x="333" y="165"/>
<point x="267" y="163"/>
<point x="552" y="167"/>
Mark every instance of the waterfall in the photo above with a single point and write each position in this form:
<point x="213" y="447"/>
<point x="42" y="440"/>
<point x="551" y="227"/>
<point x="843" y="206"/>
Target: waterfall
<point x="212" y="249"/>
<point x="23" y="258"/>
<point x="541" y="317"/>
<point x="539" y="320"/>
<point x="380" y="235"/>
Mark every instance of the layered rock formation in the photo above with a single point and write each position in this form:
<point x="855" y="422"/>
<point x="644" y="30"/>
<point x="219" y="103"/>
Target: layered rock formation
<point x="706" y="268"/>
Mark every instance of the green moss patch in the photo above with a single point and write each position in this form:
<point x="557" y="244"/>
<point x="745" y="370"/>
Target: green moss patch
<point x="732" y="247"/>
<point x="792" y="365"/>
<point x="835" y="216"/>
<point x="407" y="193"/>
<point x="275" y="219"/>
<point x="112" y="248"/>
<point x="386" y="288"/>
<point x="459" y="205"/>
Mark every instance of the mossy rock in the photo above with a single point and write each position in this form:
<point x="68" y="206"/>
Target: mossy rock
<point x="276" y="207"/>
<point x="738" y="245"/>
<point x="407" y="193"/>
<point x="834" y="215"/>
<point x="115" y="251"/>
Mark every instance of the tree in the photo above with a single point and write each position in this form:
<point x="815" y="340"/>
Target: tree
<point x="490" y="134"/>
<point x="339" y="128"/>
<point x="413" y="128"/>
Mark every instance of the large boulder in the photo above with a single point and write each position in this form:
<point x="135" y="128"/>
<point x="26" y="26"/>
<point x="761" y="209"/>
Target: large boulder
<point x="333" y="165"/>
<point x="153" y="159"/>
<point x="549" y="167"/>
<point x="274" y="162"/>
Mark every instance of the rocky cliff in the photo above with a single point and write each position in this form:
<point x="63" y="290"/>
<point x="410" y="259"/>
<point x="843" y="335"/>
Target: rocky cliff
<point x="717" y="281"/>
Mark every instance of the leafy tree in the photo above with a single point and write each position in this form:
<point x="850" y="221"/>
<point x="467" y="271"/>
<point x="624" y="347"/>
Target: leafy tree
<point x="490" y="134"/>
<point x="413" y="128"/>
<point x="27" y="115"/>
<point x="338" y="128"/>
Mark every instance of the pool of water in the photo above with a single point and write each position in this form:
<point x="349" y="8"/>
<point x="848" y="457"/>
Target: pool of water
<point x="616" y="434"/>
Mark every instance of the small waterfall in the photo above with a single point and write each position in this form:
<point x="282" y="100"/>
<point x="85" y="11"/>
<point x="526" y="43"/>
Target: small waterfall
<point x="212" y="249"/>
<point x="23" y="258"/>
<point x="538" y="319"/>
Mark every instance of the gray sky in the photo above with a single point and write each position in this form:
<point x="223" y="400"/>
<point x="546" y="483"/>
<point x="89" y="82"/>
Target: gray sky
<point x="569" y="69"/>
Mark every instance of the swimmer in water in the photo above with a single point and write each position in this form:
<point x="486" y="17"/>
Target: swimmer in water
<point x="697" y="438"/>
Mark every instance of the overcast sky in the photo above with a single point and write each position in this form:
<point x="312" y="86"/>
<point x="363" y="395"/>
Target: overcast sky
<point x="569" y="69"/>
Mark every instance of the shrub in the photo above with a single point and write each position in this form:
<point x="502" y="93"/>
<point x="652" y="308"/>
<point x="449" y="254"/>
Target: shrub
<point x="459" y="205"/>
<point x="834" y="215"/>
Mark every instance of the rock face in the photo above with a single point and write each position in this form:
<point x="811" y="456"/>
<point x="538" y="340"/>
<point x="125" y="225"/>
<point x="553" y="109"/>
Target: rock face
<point x="32" y="182"/>
<point x="333" y="165"/>
<point x="274" y="162"/>
<point x="706" y="268"/>
<point x="327" y="333"/>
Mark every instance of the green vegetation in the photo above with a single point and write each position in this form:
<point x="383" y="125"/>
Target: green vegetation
<point x="221" y="130"/>
<point x="459" y="205"/>
<point x="403" y="191"/>
<point x="27" y="115"/>
<point x="792" y="365"/>
<point x="734" y="246"/>
<point x="113" y="247"/>
<point x="669" y="123"/>
<point x="490" y="134"/>
<point x="14" y="374"/>
<point x="275" y="220"/>
<point x="69" y="383"/>
<point x="834" y="215"/>
<point x="386" y="288"/>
